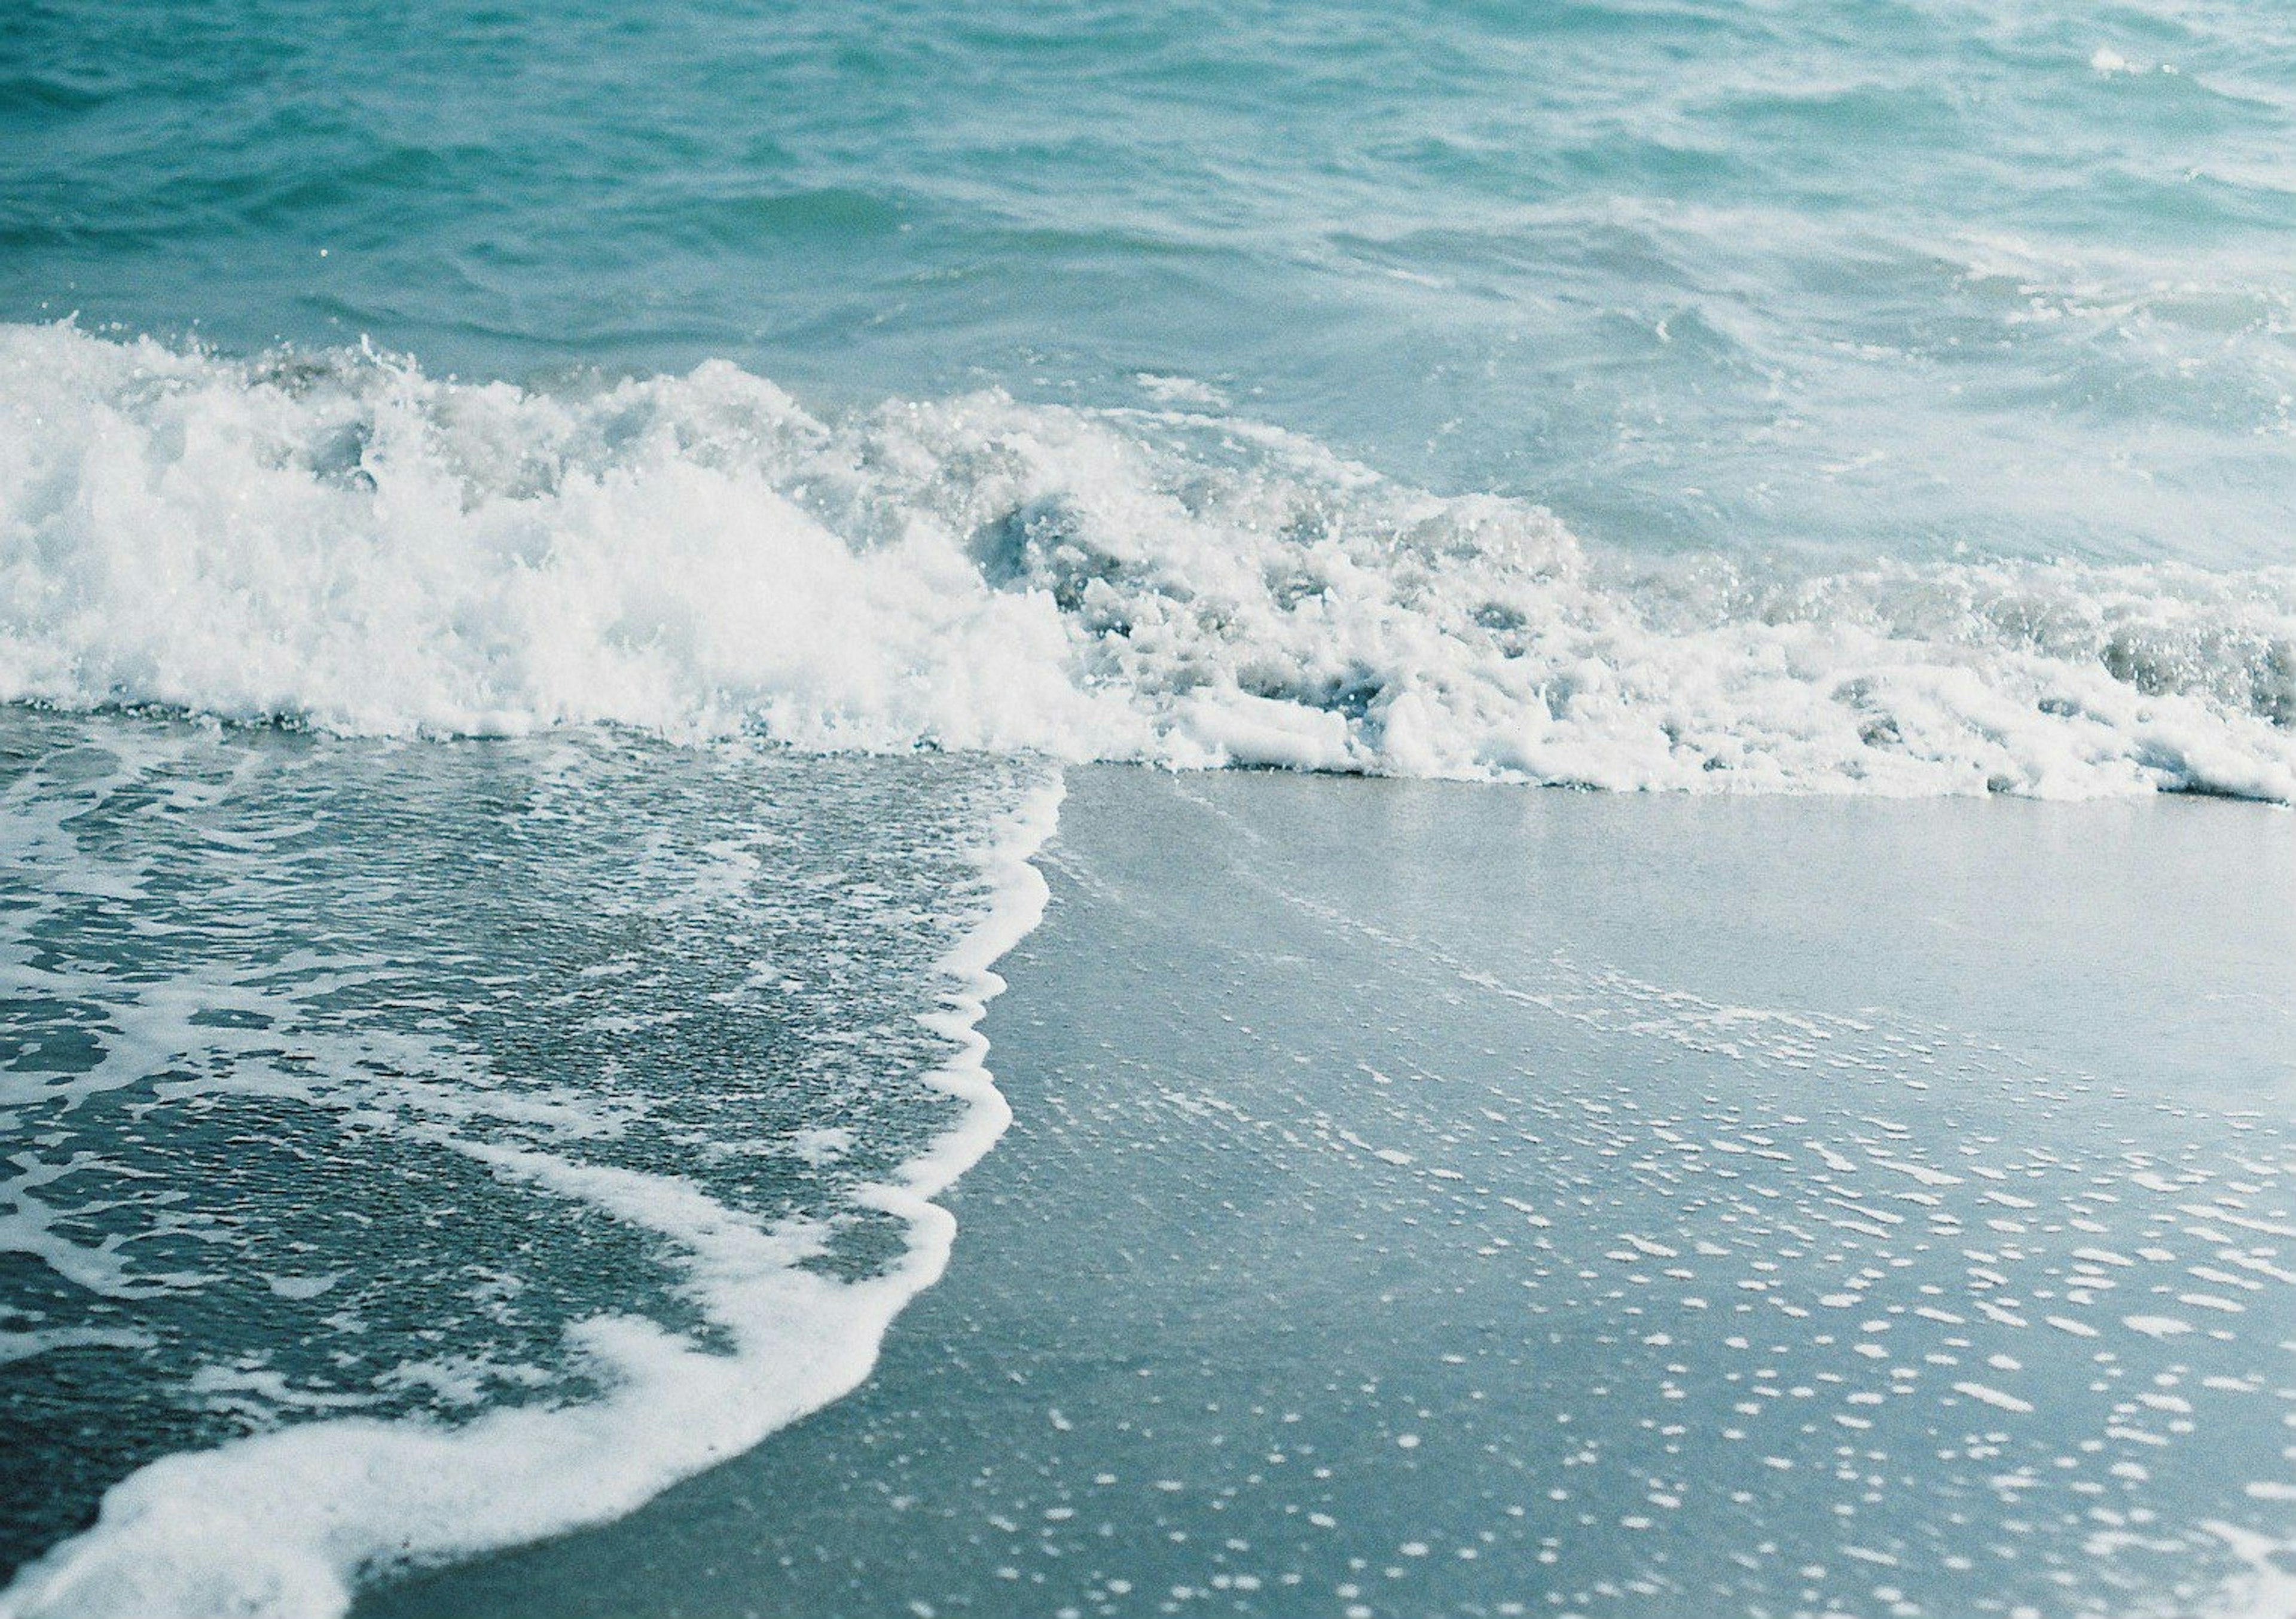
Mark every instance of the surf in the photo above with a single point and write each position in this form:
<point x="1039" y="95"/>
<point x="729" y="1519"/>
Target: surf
<point x="341" y="541"/>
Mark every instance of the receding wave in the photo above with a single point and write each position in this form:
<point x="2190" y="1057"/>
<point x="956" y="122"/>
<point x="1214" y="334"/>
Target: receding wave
<point x="367" y="1241"/>
<point x="343" y="542"/>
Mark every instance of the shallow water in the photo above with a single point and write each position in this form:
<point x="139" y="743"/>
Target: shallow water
<point x="583" y="1084"/>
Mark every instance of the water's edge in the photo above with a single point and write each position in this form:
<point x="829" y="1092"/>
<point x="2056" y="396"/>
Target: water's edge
<point x="285" y="1524"/>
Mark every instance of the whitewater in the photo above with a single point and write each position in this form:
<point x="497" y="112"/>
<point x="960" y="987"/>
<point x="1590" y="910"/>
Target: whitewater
<point x="338" y="540"/>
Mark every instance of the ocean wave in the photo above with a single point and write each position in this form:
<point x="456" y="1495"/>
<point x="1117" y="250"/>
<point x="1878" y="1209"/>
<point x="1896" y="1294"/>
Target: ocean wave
<point x="341" y="541"/>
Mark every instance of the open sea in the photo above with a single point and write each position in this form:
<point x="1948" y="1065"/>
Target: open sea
<point x="557" y="566"/>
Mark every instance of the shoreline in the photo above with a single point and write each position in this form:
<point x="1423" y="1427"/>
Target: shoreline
<point x="1304" y="1084"/>
<point x="286" y="1520"/>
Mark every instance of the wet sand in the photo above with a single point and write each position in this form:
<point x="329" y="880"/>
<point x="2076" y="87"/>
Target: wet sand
<point x="1430" y="1200"/>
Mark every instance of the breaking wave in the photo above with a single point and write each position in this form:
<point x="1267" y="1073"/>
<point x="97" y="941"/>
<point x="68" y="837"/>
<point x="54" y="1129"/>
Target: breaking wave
<point x="343" y="542"/>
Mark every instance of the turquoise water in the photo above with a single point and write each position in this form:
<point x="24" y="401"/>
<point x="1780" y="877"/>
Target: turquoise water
<point x="553" y="562"/>
<point x="1882" y="278"/>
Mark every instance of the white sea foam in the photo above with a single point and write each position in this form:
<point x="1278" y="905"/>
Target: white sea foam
<point x="350" y="543"/>
<point x="282" y="1523"/>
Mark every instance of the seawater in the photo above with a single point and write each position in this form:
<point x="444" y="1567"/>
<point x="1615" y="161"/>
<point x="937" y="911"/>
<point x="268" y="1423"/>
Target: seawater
<point x="502" y="1131"/>
<point x="1870" y="278"/>
<point x="549" y="558"/>
<point x="1629" y="395"/>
